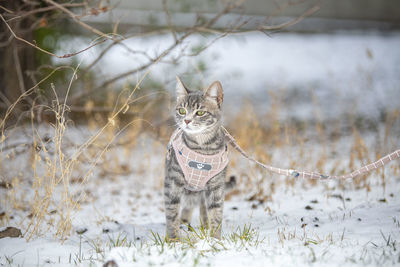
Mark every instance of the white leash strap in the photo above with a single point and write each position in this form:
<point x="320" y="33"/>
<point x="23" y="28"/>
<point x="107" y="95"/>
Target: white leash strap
<point x="315" y="175"/>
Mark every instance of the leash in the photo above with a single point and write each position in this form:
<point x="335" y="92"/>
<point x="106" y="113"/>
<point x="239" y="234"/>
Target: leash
<point x="315" y="175"/>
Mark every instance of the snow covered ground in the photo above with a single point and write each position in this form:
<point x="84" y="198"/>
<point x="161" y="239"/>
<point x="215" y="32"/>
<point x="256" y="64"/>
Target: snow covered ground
<point x="290" y="222"/>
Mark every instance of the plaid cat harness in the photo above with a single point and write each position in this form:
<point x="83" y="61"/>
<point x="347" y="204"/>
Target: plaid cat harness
<point x="197" y="168"/>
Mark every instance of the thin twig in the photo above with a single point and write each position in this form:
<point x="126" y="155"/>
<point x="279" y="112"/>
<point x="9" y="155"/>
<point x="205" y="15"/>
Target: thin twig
<point x="6" y="9"/>
<point x="5" y="99"/>
<point x="307" y="13"/>
<point x="18" y="70"/>
<point x="169" y="22"/>
<point x="48" y="52"/>
<point x="83" y="50"/>
<point x="76" y="19"/>
<point x="115" y="42"/>
<point x="99" y="57"/>
<point x="43" y="9"/>
<point x="238" y="30"/>
<point x="8" y="42"/>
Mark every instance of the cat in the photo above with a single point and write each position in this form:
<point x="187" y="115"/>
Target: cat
<point x="196" y="161"/>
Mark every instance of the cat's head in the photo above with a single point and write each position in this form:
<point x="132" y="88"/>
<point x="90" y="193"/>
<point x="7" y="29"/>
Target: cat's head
<point x="198" y="111"/>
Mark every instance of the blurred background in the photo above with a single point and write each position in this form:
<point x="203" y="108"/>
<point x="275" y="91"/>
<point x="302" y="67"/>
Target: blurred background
<point x="342" y="55"/>
<point x="307" y="84"/>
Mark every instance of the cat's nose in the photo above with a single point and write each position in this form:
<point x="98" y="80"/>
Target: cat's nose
<point x="187" y="121"/>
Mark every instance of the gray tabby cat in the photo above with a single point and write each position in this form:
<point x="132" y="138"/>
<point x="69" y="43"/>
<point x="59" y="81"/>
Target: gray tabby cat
<point x="198" y="114"/>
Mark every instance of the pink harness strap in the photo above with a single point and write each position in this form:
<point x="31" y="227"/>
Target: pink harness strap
<point x="197" y="168"/>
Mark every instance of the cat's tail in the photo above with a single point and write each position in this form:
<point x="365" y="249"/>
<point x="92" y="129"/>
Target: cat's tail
<point x="229" y="185"/>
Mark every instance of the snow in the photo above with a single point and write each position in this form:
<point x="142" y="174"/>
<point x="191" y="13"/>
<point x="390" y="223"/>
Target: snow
<point x="342" y="224"/>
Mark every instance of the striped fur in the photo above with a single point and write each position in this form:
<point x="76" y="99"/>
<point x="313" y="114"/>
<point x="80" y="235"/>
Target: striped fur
<point x="203" y="134"/>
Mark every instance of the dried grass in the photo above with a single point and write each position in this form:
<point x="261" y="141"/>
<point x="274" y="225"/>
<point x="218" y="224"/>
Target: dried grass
<point x="56" y="163"/>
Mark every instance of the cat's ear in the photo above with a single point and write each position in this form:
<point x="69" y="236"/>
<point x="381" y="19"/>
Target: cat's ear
<point x="181" y="90"/>
<point x="214" y="91"/>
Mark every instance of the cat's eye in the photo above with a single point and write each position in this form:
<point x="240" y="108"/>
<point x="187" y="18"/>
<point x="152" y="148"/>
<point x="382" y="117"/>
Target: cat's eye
<point x="182" y="111"/>
<point x="200" y="112"/>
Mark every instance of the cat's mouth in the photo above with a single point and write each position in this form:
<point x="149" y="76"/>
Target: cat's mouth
<point x="192" y="129"/>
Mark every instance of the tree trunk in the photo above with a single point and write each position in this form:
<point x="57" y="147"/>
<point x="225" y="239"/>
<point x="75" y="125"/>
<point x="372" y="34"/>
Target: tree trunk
<point x="17" y="59"/>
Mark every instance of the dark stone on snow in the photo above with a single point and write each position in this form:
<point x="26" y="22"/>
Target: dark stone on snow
<point x="337" y="196"/>
<point x="10" y="232"/>
<point x="81" y="231"/>
<point x="110" y="263"/>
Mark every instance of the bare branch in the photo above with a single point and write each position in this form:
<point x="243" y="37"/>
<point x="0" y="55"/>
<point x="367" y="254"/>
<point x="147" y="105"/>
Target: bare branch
<point x="18" y="70"/>
<point x="5" y="99"/>
<point x="105" y="50"/>
<point x="169" y="20"/>
<point x="6" y="9"/>
<point x="205" y="27"/>
<point x="307" y="13"/>
<point x="166" y="52"/>
<point x="48" y="52"/>
<point x="8" y="42"/>
<point x="77" y="20"/>
<point x="43" y="9"/>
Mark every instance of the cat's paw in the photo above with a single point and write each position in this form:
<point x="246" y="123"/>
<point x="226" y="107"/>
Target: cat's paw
<point x="173" y="238"/>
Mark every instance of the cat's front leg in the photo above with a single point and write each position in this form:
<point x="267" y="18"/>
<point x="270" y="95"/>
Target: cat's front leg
<point x="215" y="207"/>
<point x="172" y="200"/>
